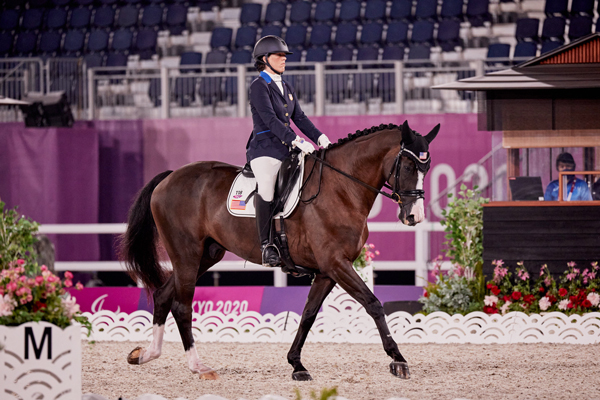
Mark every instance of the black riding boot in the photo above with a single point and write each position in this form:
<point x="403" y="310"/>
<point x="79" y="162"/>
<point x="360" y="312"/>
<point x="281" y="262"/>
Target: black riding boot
<point x="270" y="254"/>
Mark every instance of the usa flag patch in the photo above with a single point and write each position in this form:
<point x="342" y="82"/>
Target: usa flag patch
<point x="423" y="155"/>
<point x="238" y="205"/>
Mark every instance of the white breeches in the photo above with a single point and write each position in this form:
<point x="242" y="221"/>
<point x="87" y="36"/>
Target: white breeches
<point x="265" y="170"/>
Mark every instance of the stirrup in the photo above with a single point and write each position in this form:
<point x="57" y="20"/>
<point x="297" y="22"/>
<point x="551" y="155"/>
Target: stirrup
<point x="267" y="264"/>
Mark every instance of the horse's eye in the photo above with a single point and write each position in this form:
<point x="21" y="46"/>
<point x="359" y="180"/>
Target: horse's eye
<point x="408" y="168"/>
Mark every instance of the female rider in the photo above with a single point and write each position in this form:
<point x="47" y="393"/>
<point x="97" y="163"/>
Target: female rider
<point x="274" y="105"/>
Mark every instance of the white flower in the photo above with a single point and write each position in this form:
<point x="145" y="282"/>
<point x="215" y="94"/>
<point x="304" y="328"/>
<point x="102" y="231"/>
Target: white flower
<point x="504" y="307"/>
<point x="563" y="305"/>
<point x="7" y="305"/>
<point x="70" y="305"/>
<point x="490" y="300"/>
<point x="594" y="298"/>
<point x="545" y="303"/>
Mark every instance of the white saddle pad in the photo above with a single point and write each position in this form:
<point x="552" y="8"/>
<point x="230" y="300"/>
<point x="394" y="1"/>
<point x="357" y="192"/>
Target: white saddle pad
<point x="243" y="186"/>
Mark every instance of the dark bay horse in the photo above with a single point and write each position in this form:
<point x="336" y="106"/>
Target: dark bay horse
<point x="187" y="210"/>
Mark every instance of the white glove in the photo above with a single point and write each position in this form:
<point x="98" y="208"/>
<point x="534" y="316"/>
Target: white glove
<point x="323" y="141"/>
<point x="303" y="145"/>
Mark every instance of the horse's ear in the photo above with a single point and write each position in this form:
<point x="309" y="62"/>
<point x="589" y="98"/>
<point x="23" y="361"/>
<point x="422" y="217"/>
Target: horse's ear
<point x="407" y="134"/>
<point x="431" y="135"/>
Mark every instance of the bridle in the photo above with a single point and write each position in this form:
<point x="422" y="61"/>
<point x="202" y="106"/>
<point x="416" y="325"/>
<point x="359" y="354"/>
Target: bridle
<point x="396" y="194"/>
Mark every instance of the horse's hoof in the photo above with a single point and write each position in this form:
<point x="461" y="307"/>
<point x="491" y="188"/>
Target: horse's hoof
<point x="399" y="369"/>
<point x="301" y="376"/>
<point x="210" y="376"/>
<point x="134" y="356"/>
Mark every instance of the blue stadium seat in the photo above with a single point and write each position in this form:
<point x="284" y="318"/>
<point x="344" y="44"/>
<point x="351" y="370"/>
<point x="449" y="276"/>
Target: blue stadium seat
<point x="316" y="54"/>
<point x="527" y="29"/>
<point x="245" y="37"/>
<point x="375" y="10"/>
<point x="275" y="13"/>
<point x="250" y="14"/>
<point x="367" y="54"/>
<point x="498" y="50"/>
<point x="73" y="42"/>
<point x="300" y="12"/>
<point x="221" y="38"/>
<point x="448" y="35"/>
<point x="210" y="89"/>
<point x="346" y="34"/>
<point x="336" y="85"/>
<point x="145" y="43"/>
<point x="426" y="9"/>
<point x="579" y="26"/>
<point x="185" y="88"/>
<point x="295" y="36"/>
<point x="122" y="40"/>
<point x="582" y="7"/>
<point x="363" y="83"/>
<point x="32" y="19"/>
<point x="452" y="9"/>
<point x="325" y="12"/>
<point x="320" y="35"/>
<point x="116" y="60"/>
<point x="393" y="53"/>
<point x="25" y="44"/>
<point x="525" y="49"/>
<point x="273" y="30"/>
<point x="549" y="46"/>
<point x="554" y="29"/>
<point x="80" y="18"/>
<point x="152" y="16"/>
<point x="208" y="5"/>
<point x="6" y="40"/>
<point x="350" y="11"/>
<point x="97" y="40"/>
<point x="241" y="56"/>
<point x="108" y="2"/>
<point x="56" y="18"/>
<point x="9" y="20"/>
<point x="419" y="52"/>
<point x="132" y="1"/>
<point x="401" y="10"/>
<point x="93" y="60"/>
<point x="478" y="12"/>
<point x="127" y="17"/>
<point x="598" y="25"/>
<point x="397" y="33"/>
<point x="190" y="58"/>
<point x="176" y="18"/>
<point x="215" y="57"/>
<point x="342" y="54"/>
<point x="103" y="17"/>
<point x="37" y="3"/>
<point x="50" y="42"/>
<point x="60" y="3"/>
<point x="84" y="3"/>
<point x="296" y="56"/>
<point x="371" y="34"/>
<point x="556" y="8"/>
<point x="422" y="32"/>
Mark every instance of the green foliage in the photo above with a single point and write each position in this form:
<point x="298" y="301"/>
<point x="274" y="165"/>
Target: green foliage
<point x="325" y="394"/>
<point x="17" y="236"/>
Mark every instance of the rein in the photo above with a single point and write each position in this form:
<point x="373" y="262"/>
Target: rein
<point x="395" y="196"/>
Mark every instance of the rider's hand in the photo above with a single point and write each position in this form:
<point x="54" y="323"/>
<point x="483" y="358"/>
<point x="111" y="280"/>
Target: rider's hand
<point x="324" y="141"/>
<point x="303" y="145"/>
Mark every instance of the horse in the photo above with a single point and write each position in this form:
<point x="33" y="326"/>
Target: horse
<point x="186" y="210"/>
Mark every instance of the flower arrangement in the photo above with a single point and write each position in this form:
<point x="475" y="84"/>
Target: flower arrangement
<point x="38" y="296"/>
<point x="575" y="292"/>
<point x="366" y="256"/>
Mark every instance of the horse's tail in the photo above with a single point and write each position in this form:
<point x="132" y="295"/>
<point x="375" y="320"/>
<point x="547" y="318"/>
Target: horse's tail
<point x="137" y="245"/>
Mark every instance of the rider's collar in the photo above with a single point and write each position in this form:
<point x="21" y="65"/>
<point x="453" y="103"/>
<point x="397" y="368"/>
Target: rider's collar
<point x="270" y="77"/>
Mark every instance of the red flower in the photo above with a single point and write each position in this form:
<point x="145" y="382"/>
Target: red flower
<point x="495" y="291"/>
<point x="541" y="289"/>
<point x="38" y="305"/>
<point x="516" y="295"/>
<point x="489" y="286"/>
<point x="425" y="294"/>
<point x="551" y="298"/>
<point x="506" y="298"/>
<point x="570" y="305"/>
<point x="562" y="292"/>
<point x="586" y="303"/>
<point x="490" y="310"/>
<point x="529" y="298"/>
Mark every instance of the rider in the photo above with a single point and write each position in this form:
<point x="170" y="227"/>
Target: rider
<point x="274" y="105"/>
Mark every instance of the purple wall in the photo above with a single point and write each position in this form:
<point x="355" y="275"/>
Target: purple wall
<point x="90" y="173"/>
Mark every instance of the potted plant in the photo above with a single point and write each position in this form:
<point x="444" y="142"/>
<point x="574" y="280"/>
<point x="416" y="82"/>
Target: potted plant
<point x="364" y="264"/>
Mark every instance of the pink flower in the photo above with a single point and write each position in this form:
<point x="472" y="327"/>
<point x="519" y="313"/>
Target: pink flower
<point x="39" y="280"/>
<point x="11" y="286"/>
<point x="571" y="276"/>
<point x="498" y="263"/>
<point x="571" y="264"/>
<point x="594" y="298"/>
<point x="22" y="278"/>
<point x="504" y="307"/>
<point x="78" y="286"/>
<point x="547" y="281"/>
<point x="7" y="305"/>
<point x="71" y="307"/>
<point x="595" y="265"/>
<point x="68" y="275"/>
<point x="20" y="261"/>
<point x="68" y="283"/>
<point x="544" y="303"/>
<point x="23" y="300"/>
<point x="490" y="301"/>
<point x="52" y="279"/>
<point x="376" y="252"/>
<point x="44" y="268"/>
<point x="564" y="304"/>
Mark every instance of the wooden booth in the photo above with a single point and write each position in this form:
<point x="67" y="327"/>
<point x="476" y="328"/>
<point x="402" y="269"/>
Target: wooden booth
<point x="550" y="102"/>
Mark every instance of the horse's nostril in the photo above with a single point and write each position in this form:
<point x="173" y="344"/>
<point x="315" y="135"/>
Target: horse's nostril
<point x="411" y="219"/>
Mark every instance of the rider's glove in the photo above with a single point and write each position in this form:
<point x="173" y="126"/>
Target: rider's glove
<point x="323" y="141"/>
<point x="303" y="145"/>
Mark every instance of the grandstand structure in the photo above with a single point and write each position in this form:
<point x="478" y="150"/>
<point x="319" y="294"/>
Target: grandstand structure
<point x="132" y="59"/>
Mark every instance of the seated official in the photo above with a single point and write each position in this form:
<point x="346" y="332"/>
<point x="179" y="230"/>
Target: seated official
<point x="575" y="189"/>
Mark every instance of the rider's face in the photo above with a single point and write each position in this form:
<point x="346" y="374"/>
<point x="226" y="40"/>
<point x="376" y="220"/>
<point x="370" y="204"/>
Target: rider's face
<point x="277" y="61"/>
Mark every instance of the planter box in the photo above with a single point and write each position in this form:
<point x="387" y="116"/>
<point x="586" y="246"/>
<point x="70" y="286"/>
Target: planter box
<point x="40" y="360"/>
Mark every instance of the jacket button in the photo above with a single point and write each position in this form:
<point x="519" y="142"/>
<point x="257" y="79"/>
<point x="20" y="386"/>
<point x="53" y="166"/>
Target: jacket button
<point x="286" y="114"/>
<point x="286" y="124"/>
<point x="285" y="105"/>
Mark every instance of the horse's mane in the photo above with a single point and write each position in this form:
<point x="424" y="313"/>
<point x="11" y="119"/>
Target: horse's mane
<point x="364" y="132"/>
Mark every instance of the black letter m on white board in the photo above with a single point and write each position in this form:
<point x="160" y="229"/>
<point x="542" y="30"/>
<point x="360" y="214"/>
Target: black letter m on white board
<point x="38" y="350"/>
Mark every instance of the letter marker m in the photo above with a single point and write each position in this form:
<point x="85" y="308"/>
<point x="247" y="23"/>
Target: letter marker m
<point x="38" y="350"/>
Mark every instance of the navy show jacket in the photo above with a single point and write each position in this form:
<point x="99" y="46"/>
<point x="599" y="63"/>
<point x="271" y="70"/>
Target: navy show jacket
<point x="272" y="112"/>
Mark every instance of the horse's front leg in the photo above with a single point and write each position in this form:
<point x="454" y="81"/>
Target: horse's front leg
<point x="349" y="280"/>
<point x="319" y="290"/>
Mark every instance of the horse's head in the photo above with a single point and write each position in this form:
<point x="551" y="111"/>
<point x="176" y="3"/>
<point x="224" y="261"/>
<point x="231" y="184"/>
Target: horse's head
<point x="409" y="171"/>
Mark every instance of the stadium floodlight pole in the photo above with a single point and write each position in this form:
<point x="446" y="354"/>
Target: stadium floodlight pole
<point x="242" y="91"/>
<point x="399" y="86"/>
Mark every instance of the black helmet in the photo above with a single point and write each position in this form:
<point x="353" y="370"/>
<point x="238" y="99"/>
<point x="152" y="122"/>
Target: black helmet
<point x="269" y="45"/>
<point x="565" y="158"/>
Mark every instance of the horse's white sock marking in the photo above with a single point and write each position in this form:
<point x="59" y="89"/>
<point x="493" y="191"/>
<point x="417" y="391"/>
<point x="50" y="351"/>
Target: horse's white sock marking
<point x="154" y="350"/>
<point x="194" y="362"/>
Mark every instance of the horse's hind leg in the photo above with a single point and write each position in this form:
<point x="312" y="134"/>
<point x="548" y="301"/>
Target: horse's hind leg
<point x="163" y="298"/>
<point x="319" y="290"/>
<point x="349" y="280"/>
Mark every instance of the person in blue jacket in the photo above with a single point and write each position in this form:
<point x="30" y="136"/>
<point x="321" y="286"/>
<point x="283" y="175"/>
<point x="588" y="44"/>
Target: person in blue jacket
<point x="274" y="106"/>
<point x="576" y="189"/>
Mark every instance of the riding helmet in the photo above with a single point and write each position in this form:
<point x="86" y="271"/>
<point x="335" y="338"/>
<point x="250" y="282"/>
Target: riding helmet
<point x="268" y="45"/>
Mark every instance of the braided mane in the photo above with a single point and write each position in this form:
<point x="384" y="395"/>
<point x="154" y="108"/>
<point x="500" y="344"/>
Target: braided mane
<point x="364" y="132"/>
